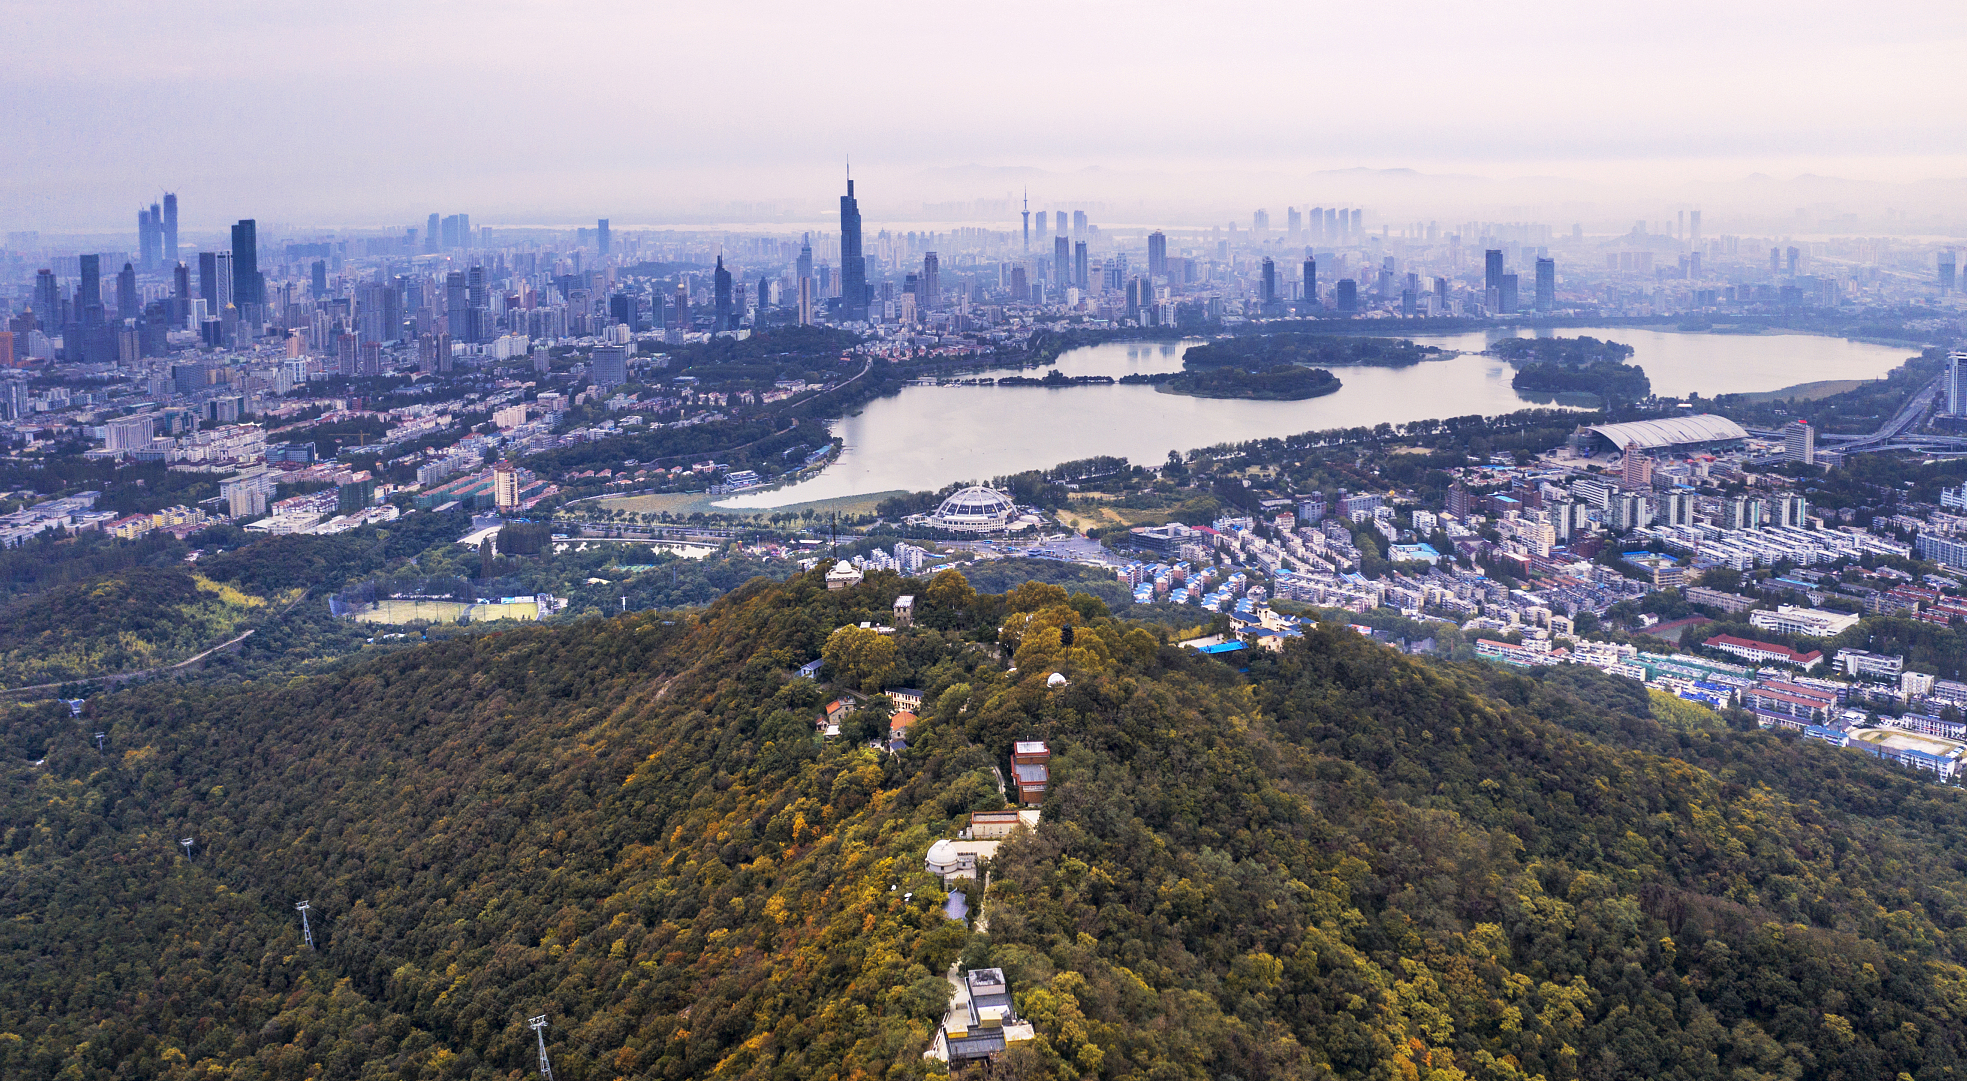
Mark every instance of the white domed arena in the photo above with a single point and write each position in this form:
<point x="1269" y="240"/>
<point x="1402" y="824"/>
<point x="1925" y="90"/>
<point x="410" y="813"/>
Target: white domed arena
<point x="976" y="509"/>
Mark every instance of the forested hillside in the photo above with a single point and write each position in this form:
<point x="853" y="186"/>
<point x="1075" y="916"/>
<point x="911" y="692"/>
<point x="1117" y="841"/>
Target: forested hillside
<point x="135" y="619"/>
<point x="1344" y="864"/>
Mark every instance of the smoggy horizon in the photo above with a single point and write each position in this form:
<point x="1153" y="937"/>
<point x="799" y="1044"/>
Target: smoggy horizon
<point x="372" y="115"/>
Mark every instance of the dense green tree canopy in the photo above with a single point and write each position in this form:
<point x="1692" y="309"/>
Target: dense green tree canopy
<point x="1347" y="863"/>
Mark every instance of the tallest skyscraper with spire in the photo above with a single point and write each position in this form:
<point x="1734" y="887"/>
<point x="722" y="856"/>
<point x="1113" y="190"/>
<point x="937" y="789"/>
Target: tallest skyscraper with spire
<point x="853" y="266"/>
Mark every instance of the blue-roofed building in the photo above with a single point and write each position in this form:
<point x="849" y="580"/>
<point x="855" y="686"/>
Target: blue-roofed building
<point x="1413" y="553"/>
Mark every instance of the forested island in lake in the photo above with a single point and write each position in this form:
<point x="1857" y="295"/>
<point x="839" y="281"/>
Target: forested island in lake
<point x="1311" y="349"/>
<point x="1278" y="383"/>
<point x="1581" y="365"/>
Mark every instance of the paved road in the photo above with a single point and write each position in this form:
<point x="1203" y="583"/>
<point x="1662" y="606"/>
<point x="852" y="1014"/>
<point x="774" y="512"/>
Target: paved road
<point x="1901" y="422"/>
<point x="125" y="677"/>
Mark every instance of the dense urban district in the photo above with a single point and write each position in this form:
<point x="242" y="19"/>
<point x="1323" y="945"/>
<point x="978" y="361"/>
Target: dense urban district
<point x="391" y="690"/>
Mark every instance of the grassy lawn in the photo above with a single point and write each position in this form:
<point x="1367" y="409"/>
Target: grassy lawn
<point x="1807" y="392"/>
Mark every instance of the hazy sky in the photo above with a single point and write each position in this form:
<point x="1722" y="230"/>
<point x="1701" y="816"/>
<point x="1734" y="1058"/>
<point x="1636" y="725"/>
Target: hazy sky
<point x="366" y="113"/>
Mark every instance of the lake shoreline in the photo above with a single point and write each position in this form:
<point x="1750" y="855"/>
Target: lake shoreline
<point x="926" y="437"/>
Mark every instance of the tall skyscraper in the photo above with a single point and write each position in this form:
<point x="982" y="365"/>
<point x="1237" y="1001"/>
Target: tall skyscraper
<point x="1293" y="221"/>
<point x="1794" y="257"/>
<point x="1080" y="276"/>
<point x="215" y="280"/>
<point x="853" y="265"/>
<point x="1693" y="228"/>
<point x="806" y="300"/>
<point x="1157" y="254"/>
<point x="1800" y="442"/>
<point x="806" y="256"/>
<point x="170" y="227"/>
<point x="88" y="293"/>
<point x="1078" y="225"/>
<point x="126" y="293"/>
<point x="247" y="285"/>
<point x="430" y="232"/>
<point x="932" y="283"/>
<point x="1506" y="294"/>
<point x="47" y="299"/>
<point x="1948" y="271"/>
<point x="392" y="313"/>
<point x="457" y="306"/>
<point x="1061" y="262"/>
<point x="1041" y="223"/>
<point x="1311" y="282"/>
<point x="180" y="293"/>
<point x="1269" y="282"/>
<point x="721" y="286"/>
<point x="1956" y="384"/>
<point x="318" y="277"/>
<point x="1492" y="269"/>
<point x="601" y="240"/>
<point x="1547" y="284"/>
<point x="150" y="238"/>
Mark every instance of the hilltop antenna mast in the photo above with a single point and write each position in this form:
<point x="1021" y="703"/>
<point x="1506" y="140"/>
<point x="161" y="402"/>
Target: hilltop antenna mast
<point x="306" y="931"/>
<point x="539" y="1029"/>
<point x="100" y="737"/>
<point x="187" y="842"/>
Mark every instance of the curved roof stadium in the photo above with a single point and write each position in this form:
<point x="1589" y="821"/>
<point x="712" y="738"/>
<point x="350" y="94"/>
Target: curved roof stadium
<point x="975" y="508"/>
<point x="1672" y="431"/>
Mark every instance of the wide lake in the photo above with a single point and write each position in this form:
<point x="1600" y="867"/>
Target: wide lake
<point x="926" y="437"/>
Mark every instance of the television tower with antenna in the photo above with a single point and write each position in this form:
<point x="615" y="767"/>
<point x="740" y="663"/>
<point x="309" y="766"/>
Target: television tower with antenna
<point x="539" y="1029"/>
<point x="1027" y="219"/>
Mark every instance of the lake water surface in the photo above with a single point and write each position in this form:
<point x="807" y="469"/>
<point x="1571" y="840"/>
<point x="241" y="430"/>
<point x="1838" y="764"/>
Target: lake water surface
<point x="926" y="437"/>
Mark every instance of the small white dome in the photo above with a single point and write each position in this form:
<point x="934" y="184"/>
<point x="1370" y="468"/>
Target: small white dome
<point x="1055" y="680"/>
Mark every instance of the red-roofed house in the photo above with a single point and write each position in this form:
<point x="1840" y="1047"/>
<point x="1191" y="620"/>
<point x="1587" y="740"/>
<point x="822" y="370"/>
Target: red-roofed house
<point x="1764" y="652"/>
<point x="1788" y="704"/>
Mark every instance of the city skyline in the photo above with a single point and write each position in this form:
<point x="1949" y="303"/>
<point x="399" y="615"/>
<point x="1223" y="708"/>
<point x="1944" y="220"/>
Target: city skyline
<point x="1522" y="104"/>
